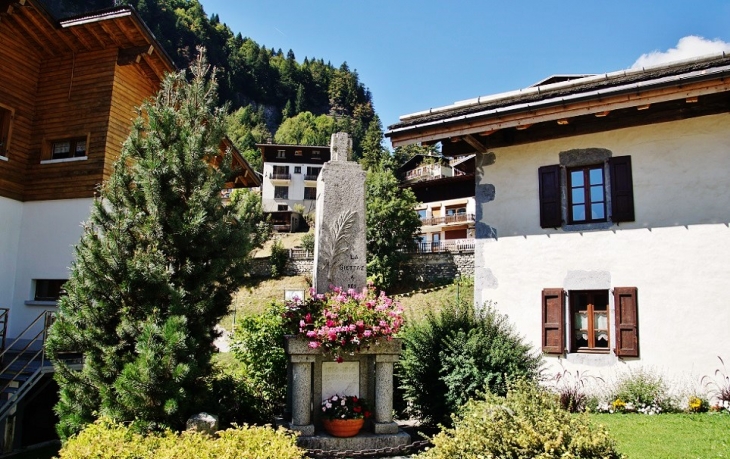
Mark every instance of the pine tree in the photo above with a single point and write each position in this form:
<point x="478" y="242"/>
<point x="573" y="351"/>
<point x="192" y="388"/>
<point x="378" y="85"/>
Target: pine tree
<point x="155" y="268"/>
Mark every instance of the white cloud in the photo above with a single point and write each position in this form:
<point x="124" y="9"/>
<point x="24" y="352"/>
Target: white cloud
<point x="687" y="48"/>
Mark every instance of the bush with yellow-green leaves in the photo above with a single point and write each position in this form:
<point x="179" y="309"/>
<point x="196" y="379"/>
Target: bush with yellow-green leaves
<point x="106" y="439"/>
<point x="526" y="424"/>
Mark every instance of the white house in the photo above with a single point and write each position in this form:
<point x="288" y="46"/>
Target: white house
<point x="603" y="213"/>
<point x="290" y="178"/>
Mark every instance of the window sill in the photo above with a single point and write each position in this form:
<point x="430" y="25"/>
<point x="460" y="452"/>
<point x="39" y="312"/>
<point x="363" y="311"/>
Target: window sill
<point x="587" y="226"/>
<point x="598" y="359"/>
<point x="41" y="303"/>
<point x="3" y="158"/>
<point x="64" y="160"/>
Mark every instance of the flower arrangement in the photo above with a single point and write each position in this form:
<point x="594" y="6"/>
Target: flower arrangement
<point x="345" y="407"/>
<point x="342" y="321"/>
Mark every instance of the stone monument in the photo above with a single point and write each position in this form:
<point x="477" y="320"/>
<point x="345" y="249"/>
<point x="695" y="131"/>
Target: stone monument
<point x="339" y="260"/>
<point x="339" y="244"/>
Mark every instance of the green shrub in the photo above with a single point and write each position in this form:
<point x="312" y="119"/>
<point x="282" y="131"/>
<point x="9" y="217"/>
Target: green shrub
<point x="279" y="257"/>
<point x="528" y="423"/>
<point x="308" y="242"/>
<point x="258" y="342"/>
<point x="105" y="439"/>
<point x="450" y="355"/>
<point x="643" y="391"/>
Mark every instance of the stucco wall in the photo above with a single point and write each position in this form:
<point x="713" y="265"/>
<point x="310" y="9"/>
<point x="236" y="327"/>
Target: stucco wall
<point x="48" y="232"/>
<point x="11" y="215"/>
<point x="677" y="252"/>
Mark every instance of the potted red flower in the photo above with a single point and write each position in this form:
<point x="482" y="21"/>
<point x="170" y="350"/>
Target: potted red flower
<point x="344" y="415"/>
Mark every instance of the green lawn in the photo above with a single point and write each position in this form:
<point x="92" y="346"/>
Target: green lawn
<point x="669" y="436"/>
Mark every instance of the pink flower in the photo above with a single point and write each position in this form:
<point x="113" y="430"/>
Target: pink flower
<point x="313" y="344"/>
<point x="367" y="333"/>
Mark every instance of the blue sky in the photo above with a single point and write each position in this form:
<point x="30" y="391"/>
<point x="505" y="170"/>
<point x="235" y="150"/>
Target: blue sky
<point x="414" y="55"/>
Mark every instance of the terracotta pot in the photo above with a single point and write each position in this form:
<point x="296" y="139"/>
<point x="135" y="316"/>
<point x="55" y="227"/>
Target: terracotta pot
<point x="343" y="427"/>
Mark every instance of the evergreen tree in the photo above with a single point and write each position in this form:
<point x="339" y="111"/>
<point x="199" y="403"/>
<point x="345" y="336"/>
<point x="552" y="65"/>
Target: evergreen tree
<point x="373" y="151"/>
<point x="392" y="225"/>
<point x="155" y="268"/>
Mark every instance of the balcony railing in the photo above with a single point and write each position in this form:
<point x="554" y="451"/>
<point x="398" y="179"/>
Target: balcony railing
<point x="458" y="218"/>
<point x="312" y="178"/>
<point x="279" y="176"/>
<point x="449" y="245"/>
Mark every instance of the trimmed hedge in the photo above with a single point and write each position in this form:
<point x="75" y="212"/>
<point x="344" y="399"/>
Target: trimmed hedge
<point x="107" y="439"/>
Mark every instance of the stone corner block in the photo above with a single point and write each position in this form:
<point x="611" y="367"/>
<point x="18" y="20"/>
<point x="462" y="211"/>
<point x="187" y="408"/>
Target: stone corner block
<point x="304" y="431"/>
<point x="385" y="428"/>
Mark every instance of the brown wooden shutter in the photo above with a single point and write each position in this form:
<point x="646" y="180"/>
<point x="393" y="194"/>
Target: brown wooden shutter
<point x="627" y="321"/>
<point x="622" y="189"/>
<point x="553" y="321"/>
<point x="550" y="209"/>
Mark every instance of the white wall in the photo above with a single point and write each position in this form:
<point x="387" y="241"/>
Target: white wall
<point x="11" y="214"/>
<point x="296" y="188"/>
<point x="677" y="252"/>
<point x="48" y="232"/>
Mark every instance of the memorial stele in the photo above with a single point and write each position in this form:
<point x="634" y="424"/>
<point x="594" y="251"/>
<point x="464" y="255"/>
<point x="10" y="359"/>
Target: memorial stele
<point x="339" y="248"/>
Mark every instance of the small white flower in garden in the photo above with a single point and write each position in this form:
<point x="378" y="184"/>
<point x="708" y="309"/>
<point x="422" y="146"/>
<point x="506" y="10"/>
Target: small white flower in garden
<point x="343" y="402"/>
<point x="343" y="416"/>
<point x="328" y="405"/>
<point x="334" y="398"/>
<point x="324" y="409"/>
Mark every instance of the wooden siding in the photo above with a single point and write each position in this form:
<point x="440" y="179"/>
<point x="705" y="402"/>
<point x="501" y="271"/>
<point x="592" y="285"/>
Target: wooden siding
<point x="73" y="100"/>
<point x="18" y="78"/>
<point x="131" y="88"/>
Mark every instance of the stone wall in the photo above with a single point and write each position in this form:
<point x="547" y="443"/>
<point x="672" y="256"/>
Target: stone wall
<point x="261" y="267"/>
<point x="426" y="267"/>
<point x="432" y="267"/>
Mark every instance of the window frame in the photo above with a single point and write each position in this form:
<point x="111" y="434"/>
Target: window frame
<point x="573" y="298"/>
<point x="280" y="154"/>
<point x="587" y="187"/>
<point x="309" y="188"/>
<point x="51" y="289"/>
<point x="297" y="169"/>
<point x="7" y="115"/>
<point x="278" y="194"/>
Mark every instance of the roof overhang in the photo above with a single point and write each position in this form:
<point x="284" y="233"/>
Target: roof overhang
<point x="476" y="125"/>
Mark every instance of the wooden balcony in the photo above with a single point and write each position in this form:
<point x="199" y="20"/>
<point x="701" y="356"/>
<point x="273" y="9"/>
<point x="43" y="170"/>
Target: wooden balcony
<point x="447" y="220"/>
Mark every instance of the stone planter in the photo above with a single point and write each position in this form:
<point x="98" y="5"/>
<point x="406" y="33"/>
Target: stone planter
<point x="374" y="382"/>
<point x="343" y="428"/>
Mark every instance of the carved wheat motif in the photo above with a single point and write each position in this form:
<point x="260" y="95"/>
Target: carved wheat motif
<point x="336" y="240"/>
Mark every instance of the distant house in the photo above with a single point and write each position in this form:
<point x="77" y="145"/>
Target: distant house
<point x="602" y="213"/>
<point x="290" y="179"/>
<point x="445" y="192"/>
<point x="68" y="92"/>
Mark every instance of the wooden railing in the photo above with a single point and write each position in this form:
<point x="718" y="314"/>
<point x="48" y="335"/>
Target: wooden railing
<point x="449" y="245"/>
<point x="279" y="176"/>
<point x="458" y="218"/>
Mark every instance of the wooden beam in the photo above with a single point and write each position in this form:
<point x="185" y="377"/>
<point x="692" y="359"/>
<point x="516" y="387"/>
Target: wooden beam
<point x="643" y="107"/>
<point x="30" y="34"/>
<point x="84" y="42"/>
<point x="488" y="133"/>
<point x="90" y="28"/>
<point x="475" y="143"/>
<point x="105" y="27"/>
<point x="602" y="114"/>
<point x="51" y="36"/>
<point x="522" y="127"/>
<point x="554" y="113"/>
<point x="134" y="55"/>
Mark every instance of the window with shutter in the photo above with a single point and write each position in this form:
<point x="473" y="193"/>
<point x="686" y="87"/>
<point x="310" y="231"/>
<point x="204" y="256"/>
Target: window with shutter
<point x="627" y="321"/>
<point x="584" y="195"/>
<point x="553" y="318"/>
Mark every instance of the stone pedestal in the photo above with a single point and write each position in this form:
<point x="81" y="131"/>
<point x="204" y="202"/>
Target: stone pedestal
<point x="375" y="385"/>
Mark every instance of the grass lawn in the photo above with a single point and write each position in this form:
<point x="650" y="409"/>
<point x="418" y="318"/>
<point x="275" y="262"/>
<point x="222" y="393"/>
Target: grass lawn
<point x="669" y="436"/>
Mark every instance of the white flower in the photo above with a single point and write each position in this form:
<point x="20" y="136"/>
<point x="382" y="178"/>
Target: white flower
<point x="328" y="405"/>
<point x="343" y="402"/>
<point x="334" y="398"/>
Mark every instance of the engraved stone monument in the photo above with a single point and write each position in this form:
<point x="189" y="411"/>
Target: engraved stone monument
<point x="339" y="247"/>
<point x="339" y="260"/>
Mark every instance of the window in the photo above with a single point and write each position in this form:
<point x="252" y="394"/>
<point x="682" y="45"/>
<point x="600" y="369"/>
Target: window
<point x="586" y="195"/>
<point x="310" y="192"/>
<point x="281" y="173"/>
<point x="589" y="313"/>
<point x="421" y="213"/>
<point x="588" y="323"/>
<point x="280" y="154"/>
<point x="49" y="289"/>
<point x="297" y="152"/>
<point x="282" y="207"/>
<point x="297" y="169"/>
<point x="315" y="153"/>
<point x="583" y="192"/>
<point x="6" y="115"/>
<point x="68" y="148"/>
<point x="312" y="173"/>
<point x="281" y="192"/>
